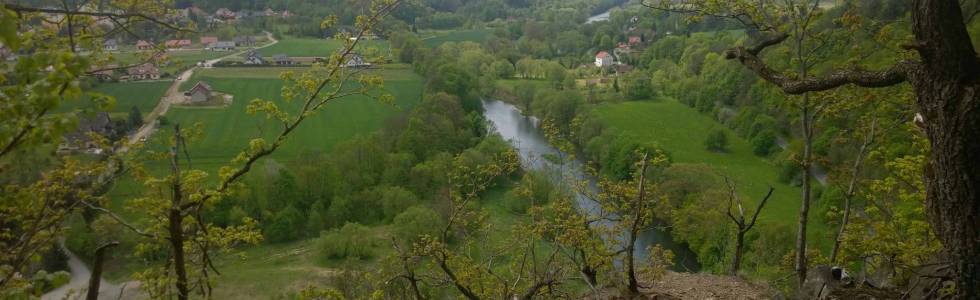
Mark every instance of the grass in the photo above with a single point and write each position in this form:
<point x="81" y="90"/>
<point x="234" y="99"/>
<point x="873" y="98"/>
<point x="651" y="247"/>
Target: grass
<point x="314" y="47"/>
<point x="143" y="95"/>
<point x="178" y="60"/>
<point x="226" y="131"/>
<point x="682" y="131"/>
<point x="436" y="38"/>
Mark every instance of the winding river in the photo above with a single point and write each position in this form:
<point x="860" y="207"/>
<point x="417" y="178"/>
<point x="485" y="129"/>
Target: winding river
<point x="532" y="147"/>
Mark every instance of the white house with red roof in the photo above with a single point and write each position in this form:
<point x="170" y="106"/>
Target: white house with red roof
<point x="603" y="59"/>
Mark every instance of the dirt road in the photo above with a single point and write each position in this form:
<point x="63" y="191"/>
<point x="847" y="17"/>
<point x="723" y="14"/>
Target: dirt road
<point x="174" y="95"/>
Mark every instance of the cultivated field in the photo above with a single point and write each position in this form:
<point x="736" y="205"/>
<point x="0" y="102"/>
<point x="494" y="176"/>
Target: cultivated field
<point x="436" y="38"/>
<point x="315" y="47"/>
<point x="143" y="95"/>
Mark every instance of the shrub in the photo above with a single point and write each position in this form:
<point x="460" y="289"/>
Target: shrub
<point x="717" y="141"/>
<point x="351" y="241"/>
<point x="417" y="221"/>
<point x="764" y="143"/>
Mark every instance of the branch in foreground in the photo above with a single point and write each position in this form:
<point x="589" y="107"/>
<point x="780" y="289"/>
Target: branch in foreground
<point x="896" y="74"/>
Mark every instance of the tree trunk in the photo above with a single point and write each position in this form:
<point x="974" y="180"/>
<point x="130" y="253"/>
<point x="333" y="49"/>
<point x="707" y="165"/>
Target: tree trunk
<point x="805" y="204"/>
<point x="739" y="242"/>
<point x="947" y="86"/>
<point x="176" y="220"/>
<point x="638" y="208"/>
<point x="95" y="279"/>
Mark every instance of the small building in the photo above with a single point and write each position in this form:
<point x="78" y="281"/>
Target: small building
<point x="245" y="41"/>
<point x="269" y="12"/>
<point x="110" y="45"/>
<point x="174" y="44"/>
<point x="145" y="71"/>
<point x="356" y="61"/>
<point x="224" y="13"/>
<point x="105" y="74"/>
<point x="281" y="59"/>
<point x="635" y="40"/>
<point x="286" y="14"/>
<point x="603" y="59"/>
<point x="222" y="46"/>
<point x="253" y="57"/>
<point x="99" y="124"/>
<point x="208" y="40"/>
<point x="143" y="45"/>
<point x="200" y="93"/>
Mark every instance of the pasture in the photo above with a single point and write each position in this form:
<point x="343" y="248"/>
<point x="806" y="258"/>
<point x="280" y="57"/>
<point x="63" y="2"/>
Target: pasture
<point x="315" y="47"/>
<point x="435" y="38"/>
<point x="681" y="131"/>
<point x="143" y="95"/>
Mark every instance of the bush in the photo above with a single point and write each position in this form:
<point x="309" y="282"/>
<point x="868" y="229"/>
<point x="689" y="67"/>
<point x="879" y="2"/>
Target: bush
<point x="717" y="141"/>
<point x="764" y="143"/>
<point x="351" y="241"/>
<point x="417" y="221"/>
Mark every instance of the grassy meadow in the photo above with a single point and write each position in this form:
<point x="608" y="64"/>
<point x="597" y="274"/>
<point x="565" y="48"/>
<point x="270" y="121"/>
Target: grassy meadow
<point x="143" y="95"/>
<point x="436" y="38"/>
<point x="314" y="47"/>
<point x="681" y="130"/>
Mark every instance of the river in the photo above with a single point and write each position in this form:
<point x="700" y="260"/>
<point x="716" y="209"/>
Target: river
<point x="532" y="147"/>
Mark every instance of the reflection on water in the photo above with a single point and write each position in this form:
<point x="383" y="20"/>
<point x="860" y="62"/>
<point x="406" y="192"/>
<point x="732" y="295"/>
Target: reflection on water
<point x="532" y="146"/>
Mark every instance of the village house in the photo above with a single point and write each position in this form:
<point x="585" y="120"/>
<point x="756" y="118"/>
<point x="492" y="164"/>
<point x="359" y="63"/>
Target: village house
<point x="145" y="71"/>
<point x="286" y="14"/>
<point x="200" y="93"/>
<point x="222" y="46"/>
<point x="245" y="41"/>
<point x="635" y="40"/>
<point x="208" y="40"/>
<point x="253" y="57"/>
<point x="110" y="45"/>
<point x="174" y="44"/>
<point x="269" y="12"/>
<point x="281" y="59"/>
<point x="356" y="61"/>
<point x="224" y="13"/>
<point x="99" y="124"/>
<point x="105" y="74"/>
<point x="603" y="59"/>
<point x="143" y="45"/>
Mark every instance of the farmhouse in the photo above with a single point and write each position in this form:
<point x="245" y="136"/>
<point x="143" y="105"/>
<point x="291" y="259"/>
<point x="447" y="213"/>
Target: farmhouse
<point x="253" y="57"/>
<point x="99" y="124"/>
<point x="635" y="40"/>
<point x="356" y="61"/>
<point x="208" y="40"/>
<point x="200" y="93"/>
<point x="110" y="45"/>
<point x="245" y="41"/>
<point x="143" y="45"/>
<point x="224" y="13"/>
<point x="177" y="43"/>
<point x="603" y="59"/>
<point x="222" y="46"/>
<point x="145" y="71"/>
<point x="281" y="59"/>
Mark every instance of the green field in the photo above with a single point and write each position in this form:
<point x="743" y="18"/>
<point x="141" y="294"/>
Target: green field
<point x="315" y="47"/>
<point x="682" y="131"/>
<point x="436" y="38"/>
<point x="228" y="130"/>
<point x="178" y="60"/>
<point x="143" y="95"/>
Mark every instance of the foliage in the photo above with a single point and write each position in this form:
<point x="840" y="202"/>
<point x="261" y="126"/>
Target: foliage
<point x="717" y="141"/>
<point x="350" y="241"/>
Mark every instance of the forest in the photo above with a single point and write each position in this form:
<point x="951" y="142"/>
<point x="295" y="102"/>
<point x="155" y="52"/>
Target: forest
<point x="482" y="149"/>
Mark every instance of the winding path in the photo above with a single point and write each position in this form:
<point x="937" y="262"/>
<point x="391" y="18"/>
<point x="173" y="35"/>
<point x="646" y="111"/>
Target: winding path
<point x="80" y="273"/>
<point x="173" y="94"/>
